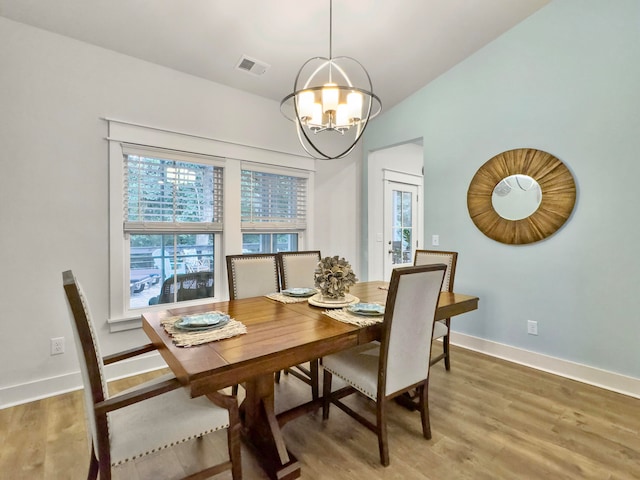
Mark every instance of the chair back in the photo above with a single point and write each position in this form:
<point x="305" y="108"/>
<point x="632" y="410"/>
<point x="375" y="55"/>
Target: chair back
<point x="297" y="269"/>
<point x="88" y="350"/>
<point x="252" y="275"/>
<point x="189" y="286"/>
<point x="431" y="257"/>
<point x="409" y="314"/>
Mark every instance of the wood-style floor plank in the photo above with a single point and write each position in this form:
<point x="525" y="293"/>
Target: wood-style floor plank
<point x="66" y="437"/>
<point x="490" y="420"/>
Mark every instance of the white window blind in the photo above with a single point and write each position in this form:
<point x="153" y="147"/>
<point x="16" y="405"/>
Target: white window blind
<point x="163" y="193"/>
<point x="273" y="201"/>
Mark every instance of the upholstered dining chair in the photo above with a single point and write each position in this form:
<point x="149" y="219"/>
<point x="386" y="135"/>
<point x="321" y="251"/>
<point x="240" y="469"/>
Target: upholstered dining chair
<point x="297" y="271"/>
<point x="252" y="275"/>
<point x="442" y="327"/>
<point x="149" y="417"/>
<point x="297" y="268"/>
<point x="399" y="362"/>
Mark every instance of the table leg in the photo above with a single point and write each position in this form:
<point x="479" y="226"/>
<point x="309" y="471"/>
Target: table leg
<point x="262" y="431"/>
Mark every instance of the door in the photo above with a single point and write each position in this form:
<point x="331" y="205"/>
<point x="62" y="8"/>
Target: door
<point x="401" y="226"/>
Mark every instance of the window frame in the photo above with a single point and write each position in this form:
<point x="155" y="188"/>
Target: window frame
<point x="120" y="295"/>
<point x="274" y="228"/>
<point x="232" y="157"/>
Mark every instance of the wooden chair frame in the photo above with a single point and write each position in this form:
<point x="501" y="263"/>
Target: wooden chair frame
<point x="379" y="427"/>
<point x="281" y="264"/>
<point x="230" y="269"/>
<point x="447" y="286"/>
<point x="230" y="259"/>
<point x="101" y="464"/>
<point x="310" y="375"/>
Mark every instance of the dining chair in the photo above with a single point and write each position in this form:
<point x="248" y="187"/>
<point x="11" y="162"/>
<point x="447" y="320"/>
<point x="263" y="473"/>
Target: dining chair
<point x="441" y="328"/>
<point x="149" y="417"/>
<point x="252" y="275"/>
<point x="297" y="270"/>
<point x="398" y="363"/>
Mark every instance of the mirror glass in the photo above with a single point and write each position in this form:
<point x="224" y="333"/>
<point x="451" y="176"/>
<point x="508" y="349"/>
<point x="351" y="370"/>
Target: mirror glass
<point x="516" y="197"/>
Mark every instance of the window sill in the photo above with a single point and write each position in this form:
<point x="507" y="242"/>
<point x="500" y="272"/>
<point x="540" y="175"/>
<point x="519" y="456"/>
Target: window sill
<point x="126" y="323"/>
<point x="134" y="321"/>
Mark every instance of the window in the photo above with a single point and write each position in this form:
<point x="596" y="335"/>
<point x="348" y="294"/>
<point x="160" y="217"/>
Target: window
<point x="269" y="242"/>
<point x="173" y="211"/>
<point x="273" y="211"/>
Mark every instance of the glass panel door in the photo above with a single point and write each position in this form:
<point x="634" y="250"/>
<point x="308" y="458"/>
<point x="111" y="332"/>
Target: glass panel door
<point x="400" y="225"/>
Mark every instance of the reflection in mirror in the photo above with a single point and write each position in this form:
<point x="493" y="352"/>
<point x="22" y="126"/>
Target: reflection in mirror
<point x="516" y="197"/>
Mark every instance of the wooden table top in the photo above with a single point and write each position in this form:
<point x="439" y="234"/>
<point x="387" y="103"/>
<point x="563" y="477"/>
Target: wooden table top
<point x="278" y="335"/>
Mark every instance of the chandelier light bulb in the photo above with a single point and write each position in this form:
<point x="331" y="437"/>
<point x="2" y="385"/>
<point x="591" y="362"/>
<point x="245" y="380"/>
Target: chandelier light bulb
<point x="354" y="103"/>
<point x="316" y="117"/>
<point x="342" y="116"/>
<point x="305" y="105"/>
<point x="330" y="96"/>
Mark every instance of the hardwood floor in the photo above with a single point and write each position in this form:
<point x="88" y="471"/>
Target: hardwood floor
<point x="490" y="419"/>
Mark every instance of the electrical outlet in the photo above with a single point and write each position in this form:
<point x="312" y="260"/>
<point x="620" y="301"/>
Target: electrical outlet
<point x="532" y="327"/>
<point x="57" y="346"/>
<point x="435" y="240"/>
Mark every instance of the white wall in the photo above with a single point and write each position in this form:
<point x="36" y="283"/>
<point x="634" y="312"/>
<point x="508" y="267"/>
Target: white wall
<point x="338" y="208"/>
<point x="54" y="184"/>
<point x="565" y="81"/>
<point x="405" y="158"/>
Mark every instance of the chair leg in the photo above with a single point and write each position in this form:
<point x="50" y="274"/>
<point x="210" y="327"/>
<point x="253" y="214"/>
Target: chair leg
<point x="314" y="369"/>
<point x="105" y="470"/>
<point x="234" y="390"/>
<point x="93" y="465"/>
<point x="445" y="346"/>
<point x="447" y="357"/>
<point x="423" y="392"/>
<point x="104" y="452"/>
<point x="326" y="395"/>
<point x="383" y="443"/>
<point x="278" y="373"/>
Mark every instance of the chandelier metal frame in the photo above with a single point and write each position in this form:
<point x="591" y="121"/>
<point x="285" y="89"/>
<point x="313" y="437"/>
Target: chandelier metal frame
<point x="312" y="118"/>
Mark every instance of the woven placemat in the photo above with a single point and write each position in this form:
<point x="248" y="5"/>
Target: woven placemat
<point x="190" y="339"/>
<point x="279" y="297"/>
<point x="345" y="316"/>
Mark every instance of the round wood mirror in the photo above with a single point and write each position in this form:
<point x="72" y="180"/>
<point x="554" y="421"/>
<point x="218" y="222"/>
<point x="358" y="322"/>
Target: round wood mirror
<point x="553" y="196"/>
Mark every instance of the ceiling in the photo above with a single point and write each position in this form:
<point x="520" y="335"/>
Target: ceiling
<point x="404" y="44"/>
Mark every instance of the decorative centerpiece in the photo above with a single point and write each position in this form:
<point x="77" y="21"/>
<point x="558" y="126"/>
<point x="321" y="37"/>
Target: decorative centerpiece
<point x="333" y="277"/>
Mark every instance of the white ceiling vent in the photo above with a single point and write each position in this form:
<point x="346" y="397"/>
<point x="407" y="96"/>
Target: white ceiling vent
<point x="252" y="66"/>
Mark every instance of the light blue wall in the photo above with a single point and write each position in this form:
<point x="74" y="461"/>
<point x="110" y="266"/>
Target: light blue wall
<point x="567" y="81"/>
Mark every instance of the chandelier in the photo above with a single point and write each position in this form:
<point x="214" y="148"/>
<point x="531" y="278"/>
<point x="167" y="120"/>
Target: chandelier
<point x="331" y="104"/>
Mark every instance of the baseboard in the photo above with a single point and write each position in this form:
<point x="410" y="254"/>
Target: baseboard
<point x="582" y="373"/>
<point x="48" y="387"/>
<point x="36" y="390"/>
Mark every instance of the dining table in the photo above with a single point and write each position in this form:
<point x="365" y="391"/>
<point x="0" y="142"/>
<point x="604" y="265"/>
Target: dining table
<point x="278" y="335"/>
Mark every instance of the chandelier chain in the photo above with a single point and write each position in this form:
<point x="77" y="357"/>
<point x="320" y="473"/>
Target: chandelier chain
<point x="330" y="29"/>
